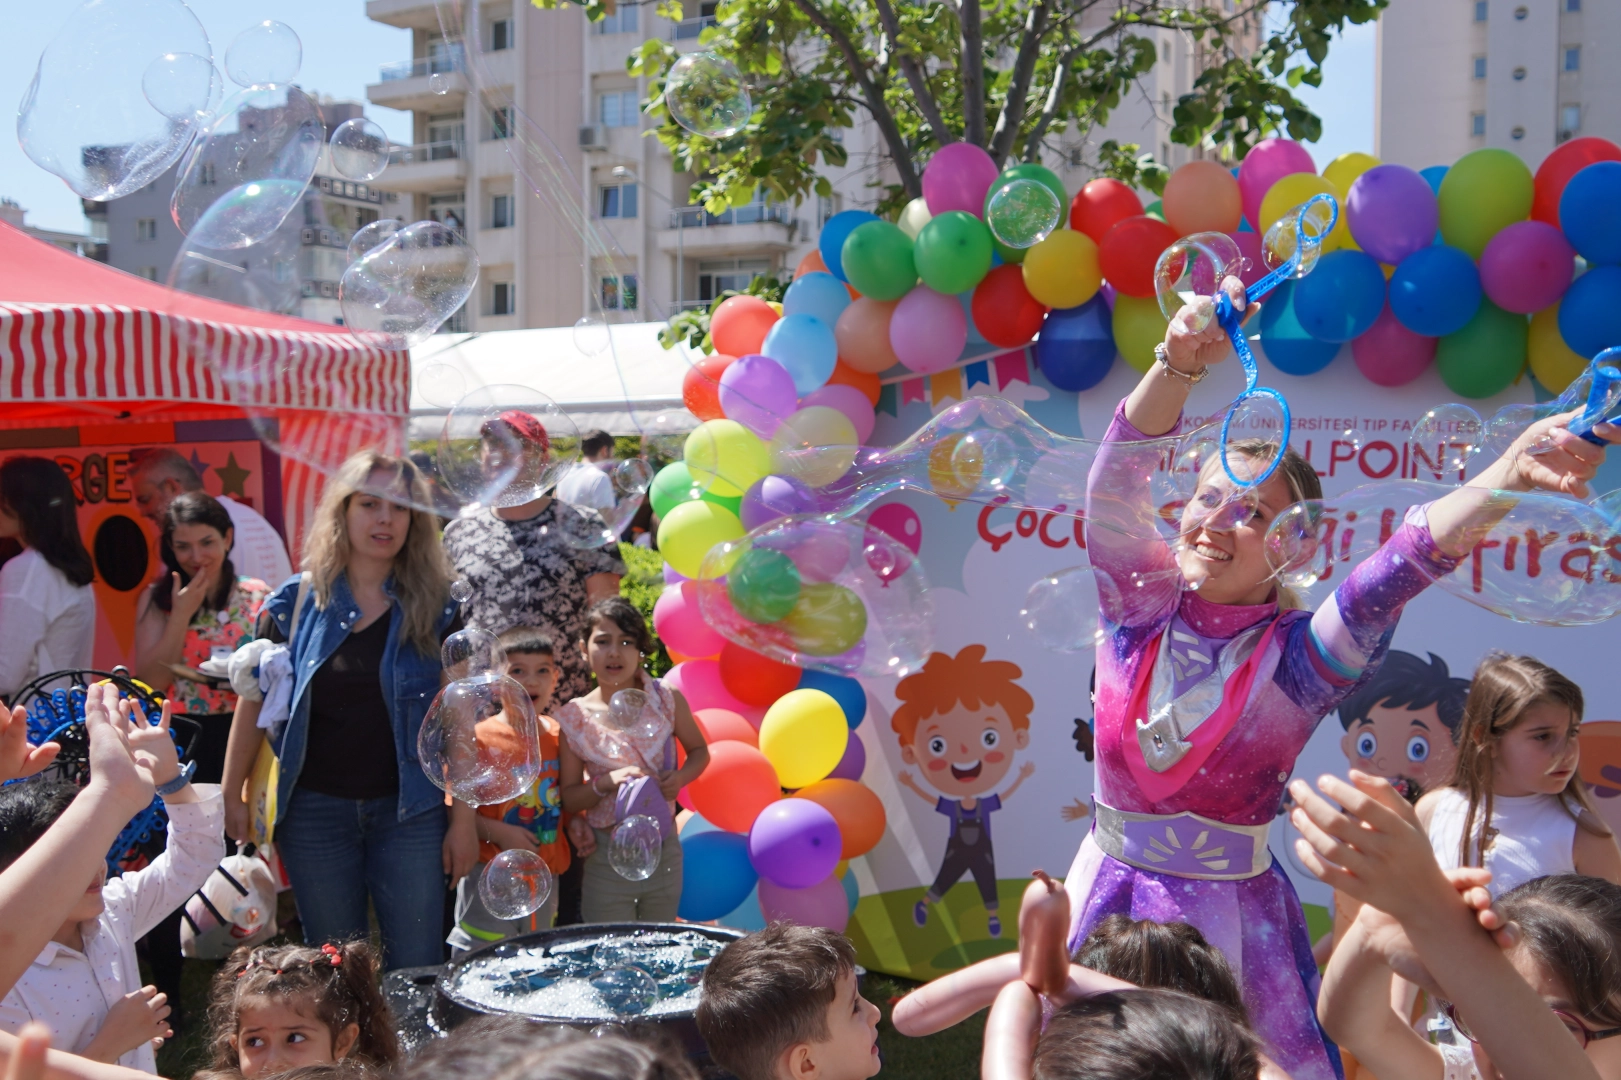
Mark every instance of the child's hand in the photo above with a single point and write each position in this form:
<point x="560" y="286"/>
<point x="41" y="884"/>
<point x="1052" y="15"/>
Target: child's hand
<point x="582" y="836"/>
<point x="18" y="758"/>
<point x="114" y="772"/>
<point x="506" y="836"/>
<point x="152" y="746"/>
<point x="28" y="1052"/>
<point x="669" y="784"/>
<point x="133" y="1021"/>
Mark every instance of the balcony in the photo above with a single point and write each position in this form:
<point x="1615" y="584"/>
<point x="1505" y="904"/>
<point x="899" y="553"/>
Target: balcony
<point x="755" y="227"/>
<point x="406" y="14"/>
<point x="416" y="84"/>
<point x="428" y="167"/>
<point x="689" y="29"/>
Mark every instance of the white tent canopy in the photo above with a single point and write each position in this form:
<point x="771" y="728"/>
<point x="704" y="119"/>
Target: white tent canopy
<point x="620" y="391"/>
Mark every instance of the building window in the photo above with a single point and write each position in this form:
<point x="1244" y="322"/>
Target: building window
<point x="1517" y="133"/>
<point x="618" y="109"/>
<point x="1570" y="119"/>
<point x="501" y="122"/>
<point x="146" y="228"/>
<point x="619" y="293"/>
<point x="150" y="273"/>
<point x="622" y="21"/>
<point x="728" y="275"/>
<point x="1573" y="5"/>
<point x="1480" y="67"/>
<point x="1480" y="10"/>
<point x="503" y="298"/>
<point x="826" y="207"/>
<point x="451" y="209"/>
<point x="1477" y="123"/>
<point x="616" y="201"/>
<point x="501" y="35"/>
<point x="501" y="212"/>
<point x="205" y="174"/>
<point x="1521" y="13"/>
<point x="1573" y="58"/>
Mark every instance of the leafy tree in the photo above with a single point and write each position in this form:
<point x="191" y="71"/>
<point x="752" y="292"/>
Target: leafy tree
<point x="1008" y="75"/>
<point x="692" y="326"/>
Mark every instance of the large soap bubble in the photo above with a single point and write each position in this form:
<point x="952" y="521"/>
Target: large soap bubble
<point x="1061" y="611"/>
<point x="634" y="847"/>
<point x="264" y="55"/>
<point x="626" y="991"/>
<point x="264" y="276"/>
<point x="1021" y="212"/>
<point x="705" y="94"/>
<point x="480" y="741"/>
<point x="506" y="445"/>
<point x="359" y="149"/>
<point x="368" y="238"/>
<point x="1191" y="271"/>
<point x="404" y="289"/>
<point x="515" y="884"/>
<point x="470" y="651"/>
<point x="599" y="526"/>
<point x="1446" y="438"/>
<point x="87" y="117"/>
<point x="1295" y="240"/>
<point x="249" y="168"/>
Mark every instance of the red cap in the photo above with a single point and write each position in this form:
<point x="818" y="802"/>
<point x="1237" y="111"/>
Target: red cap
<point x="526" y="427"/>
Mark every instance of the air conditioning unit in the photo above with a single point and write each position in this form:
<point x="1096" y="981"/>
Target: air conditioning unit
<point x="593" y="137"/>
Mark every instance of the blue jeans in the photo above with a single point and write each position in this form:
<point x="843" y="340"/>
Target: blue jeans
<point x="337" y="851"/>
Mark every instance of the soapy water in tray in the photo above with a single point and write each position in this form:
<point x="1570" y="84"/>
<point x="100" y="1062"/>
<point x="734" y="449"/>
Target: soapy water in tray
<point x="591" y="978"/>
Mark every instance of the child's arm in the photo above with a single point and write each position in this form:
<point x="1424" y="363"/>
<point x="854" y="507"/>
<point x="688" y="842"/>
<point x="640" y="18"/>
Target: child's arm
<point x="578" y="795"/>
<point x="134" y="1020"/>
<point x="1595" y="854"/>
<point x="504" y="835"/>
<point x="19" y="757"/>
<point x="1354" y="1006"/>
<point x="1010" y="1034"/>
<point x="692" y="740"/>
<point x="953" y="998"/>
<point x="908" y="782"/>
<point x="27" y="1056"/>
<point x="1024" y="774"/>
<point x="459" y="851"/>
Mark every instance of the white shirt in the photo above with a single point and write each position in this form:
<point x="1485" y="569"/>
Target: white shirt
<point x="47" y="623"/>
<point x="259" y="551"/>
<point x="1536" y="836"/>
<point x="588" y="486"/>
<point x="70" y="991"/>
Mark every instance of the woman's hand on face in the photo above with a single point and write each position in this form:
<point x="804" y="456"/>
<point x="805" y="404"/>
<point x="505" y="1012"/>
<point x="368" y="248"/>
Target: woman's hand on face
<point x="187" y="600"/>
<point x="1548" y="457"/>
<point x="1189" y="349"/>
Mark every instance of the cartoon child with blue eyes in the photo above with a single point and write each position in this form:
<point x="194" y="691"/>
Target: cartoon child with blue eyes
<point x="1403" y="724"/>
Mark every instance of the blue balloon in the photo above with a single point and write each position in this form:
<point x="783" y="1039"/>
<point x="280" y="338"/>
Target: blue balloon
<point x="821" y="296"/>
<point x="1435" y="291"/>
<point x="716" y="875"/>
<point x="747" y="916"/>
<point x="831" y="243"/>
<point x="1590" y="212"/>
<point x="1075" y="349"/>
<point x="852" y="891"/>
<point x="1587" y="311"/>
<point x="806" y="349"/>
<point x="1342" y="297"/>
<point x="1285" y="342"/>
<point x="1433" y="177"/>
<point x="851" y="695"/>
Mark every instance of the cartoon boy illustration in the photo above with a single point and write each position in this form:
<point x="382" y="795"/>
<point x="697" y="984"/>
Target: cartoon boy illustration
<point x="961" y="719"/>
<point x="1403" y="723"/>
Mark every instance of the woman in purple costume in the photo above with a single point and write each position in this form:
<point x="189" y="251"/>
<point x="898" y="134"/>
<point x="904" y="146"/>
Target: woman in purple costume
<point x="1208" y="688"/>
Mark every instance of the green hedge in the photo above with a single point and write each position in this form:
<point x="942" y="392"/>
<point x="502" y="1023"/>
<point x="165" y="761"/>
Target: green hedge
<point x="642" y="584"/>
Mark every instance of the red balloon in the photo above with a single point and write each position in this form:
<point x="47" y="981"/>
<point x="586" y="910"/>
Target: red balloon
<point x="700" y="386"/>
<point x="1558" y="167"/>
<point x="737" y="785"/>
<point x="1004" y="311"/>
<point x="739" y="325"/>
<point x="1099" y="205"/>
<point x="1130" y="250"/>
<point x="755" y="679"/>
<point x="721" y="725"/>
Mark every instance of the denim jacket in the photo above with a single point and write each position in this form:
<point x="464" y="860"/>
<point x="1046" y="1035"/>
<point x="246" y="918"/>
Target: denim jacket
<point x="410" y="682"/>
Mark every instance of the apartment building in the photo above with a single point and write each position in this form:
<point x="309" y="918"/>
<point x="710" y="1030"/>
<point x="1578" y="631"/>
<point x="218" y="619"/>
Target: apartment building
<point x="1522" y="75"/>
<point x="88" y="245"/>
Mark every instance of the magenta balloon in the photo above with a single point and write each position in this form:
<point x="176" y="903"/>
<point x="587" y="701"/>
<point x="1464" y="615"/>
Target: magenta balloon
<point x="847" y="400"/>
<point x="928" y="330"/>
<point x="1389" y="354"/>
<point x="1392" y="212"/>
<point x="823" y="904"/>
<point x="957" y="178"/>
<point x="820" y="552"/>
<point x="681" y="626"/>
<point x="1527" y="267"/>
<point x="795" y="846"/>
<point x="772" y="497"/>
<point x="1254" y="264"/>
<point x="758" y="393"/>
<point x="1267" y="163"/>
<point x="852" y="764"/>
<point x="900" y="521"/>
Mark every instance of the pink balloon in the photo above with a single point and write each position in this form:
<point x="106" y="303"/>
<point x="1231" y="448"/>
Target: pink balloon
<point x="847" y="400"/>
<point x="681" y="626"/>
<point x="957" y="178"/>
<point x="1527" y="267"/>
<point x="1389" y="354"/>
<point x="758" y="393"/>
<point x="1254" y="265"/>
<point x="900" y="521"/>
<point x="699" y="682"/>
<point x="820" y="552"/>
<point x="1268" y="162"/>
<point x="823" y="904"/>
<point x="928" y="330"/>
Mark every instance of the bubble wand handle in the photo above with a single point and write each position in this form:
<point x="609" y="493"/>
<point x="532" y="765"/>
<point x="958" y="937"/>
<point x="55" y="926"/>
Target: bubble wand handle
<point x="1601" y="396"/>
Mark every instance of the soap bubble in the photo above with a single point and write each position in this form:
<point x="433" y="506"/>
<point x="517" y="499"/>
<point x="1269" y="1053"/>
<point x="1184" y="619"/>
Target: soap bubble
<point x="506" y="445"/>
<point x="480" y="741"/>
<point x="614" y="953"/>
<point x="1301" y="231"/>
<point x="1061" y="611"/>
<point x="359" y="149"/>
<point x="984" y="461"/>
<point x="184" y="87"/>
<point x="705" y="94"/>
<point x="1021" y="213"/>
<point x="599" y="526"/>
<point x="264" y="275"/>
<point x="1296" y="545"/>
<point x="86" y="117"/>
<point x="1446" y="438"/>
<point x="1192" y="270"/>
<point x="591" y="335"/>
<point x="471" y="651"/>
<point x="1349" y="435"/>
<point x="439" y="83"/>
<point x="439" y="384"/>
<point x="515" y="884"/>
<point x="370" y="237"/>
<point x="1608" y="504"/>
<point x="461" y="591"/>
<point x="264" y="55"/>
<point x="1508" y="424"/>
<point x="627" y="991"/>
<point x="625" y="708"/>
<point x="634" y="847"/>
<point x="404" y="289"/>
<point x="248" y="168"/>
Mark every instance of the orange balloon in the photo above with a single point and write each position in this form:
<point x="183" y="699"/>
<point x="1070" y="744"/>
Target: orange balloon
<point x="863" y="335"/>
<point x="1201" y="196"/>
<point x="739" y="326"/>
<point x="853" y="805"/>
<point x="737" y="785"/>
<point x="721" y="725"/>
<point x="867" y="383"/>
<point x="682" y="658"/>
<point x="813" y="264"/>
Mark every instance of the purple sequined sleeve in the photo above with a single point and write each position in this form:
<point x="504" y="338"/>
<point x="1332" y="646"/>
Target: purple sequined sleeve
<point x="1138" y="581"/>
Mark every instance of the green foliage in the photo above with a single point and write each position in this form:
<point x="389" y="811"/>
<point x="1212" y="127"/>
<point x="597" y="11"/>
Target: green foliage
<point x="641" y="585"/>
<point x="1124" y="163"/>
<point x="692" y="326"/>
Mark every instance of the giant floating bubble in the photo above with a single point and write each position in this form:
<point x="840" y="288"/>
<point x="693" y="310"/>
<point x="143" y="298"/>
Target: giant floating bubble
<point x="265" y="275"/>
<point x="480" y="741"/>
<point x="268" y="54"/>
<point x="1446" y="438"/>
<point x="87" y="116"/>
<point x="404" y="289"/>
<point x="1021" y="212"/>
<point x="600" y="526"/>
<point x="359" y="149"/>
<point x="704" y="93"/>
<point x="1191" y="271"/>
<point x="634" y="847"/>
<point x="368" y="238"/>
<point x="1061" y="611"/>
<point x="470" y="651"/>
<point x="507" y="445"/>
<point x="515" y="884"/>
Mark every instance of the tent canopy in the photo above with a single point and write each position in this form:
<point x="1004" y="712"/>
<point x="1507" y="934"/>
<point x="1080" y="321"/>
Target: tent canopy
<point x="620" y="391"/>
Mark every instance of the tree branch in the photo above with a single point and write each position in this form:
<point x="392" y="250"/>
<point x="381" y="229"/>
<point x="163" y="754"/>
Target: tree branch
<point x="971" y="69"/>
<point x="1049" y="110"/>
<point x="1024" y="67"/>
<point x="899" y="152"/>
<point x="915" y="77"/>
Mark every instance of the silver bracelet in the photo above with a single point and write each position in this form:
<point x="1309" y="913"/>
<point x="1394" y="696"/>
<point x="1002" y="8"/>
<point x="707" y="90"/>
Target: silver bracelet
<point x="1163" y="357"/>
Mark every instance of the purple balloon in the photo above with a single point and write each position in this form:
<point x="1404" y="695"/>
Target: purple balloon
<point x="927" y="330"/>
<point x="1392" y="212"/>
<point x="854" y="761"/>
<point x="795" y="843"/>
<point x="758" y="393"/>
<point x="823" y="904"/>
<point x="672" y="576"/>
<point x="957" y="178"/>
<point x="772" y="497"/>
<point x="1527" y="267"/>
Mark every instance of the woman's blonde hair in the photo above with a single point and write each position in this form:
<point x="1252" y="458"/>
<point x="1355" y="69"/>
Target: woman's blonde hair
<point x="1298" y="474"/>
<point x="1504" y="687"/>
<point x="421" y="573"/>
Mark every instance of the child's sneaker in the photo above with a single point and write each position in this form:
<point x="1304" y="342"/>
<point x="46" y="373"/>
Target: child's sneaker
<point x="920" y="912"/>
<point x="995" y="925"/>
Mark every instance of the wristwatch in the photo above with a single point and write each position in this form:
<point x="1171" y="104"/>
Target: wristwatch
<point x="181" y="779"/>
<point x="1163" y="356"/>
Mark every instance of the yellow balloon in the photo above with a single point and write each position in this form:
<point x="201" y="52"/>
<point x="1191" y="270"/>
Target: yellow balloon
<point x="1062" y="271"/>
<point x="827" y="620"/>
<point x="1554" y="363"/>
<point x="1289" y="193"/>
<point x="1342" y="173"/>
<point x="803" y="735"/>
<point x="816" y="445"/>
<point x="689" y="530"/>
<point x="775" y="305"/>
<point x="1139" y="325"/>
<point x="914" y="217"/>
<point x="724" y="457"/>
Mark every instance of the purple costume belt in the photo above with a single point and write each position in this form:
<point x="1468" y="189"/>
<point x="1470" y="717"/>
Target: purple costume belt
<point x="1184" y="845"/>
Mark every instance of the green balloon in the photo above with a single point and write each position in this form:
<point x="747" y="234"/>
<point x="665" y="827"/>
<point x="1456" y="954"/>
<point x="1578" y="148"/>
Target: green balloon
<point x="674" y="485"/>
<point x="763" y="585"/>
<point x="953" y="251"/>
<point x="1029" y="170"/>
<point x="1010" y="254"/>
<point x="1483" y="193"/>
<point x="1485" y="356"/>
<point x="1156" y="209"/>
<point x="877" y="260"/>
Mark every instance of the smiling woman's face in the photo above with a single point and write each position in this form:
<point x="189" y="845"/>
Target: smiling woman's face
<point x="1222" y="553"/>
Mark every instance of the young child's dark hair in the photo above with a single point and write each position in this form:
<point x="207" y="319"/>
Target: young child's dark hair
<point x="345" y="1069"/>
<point x="768" y="991"/>
<point x="623" y="614"/>
<point x="28" y="809"/>
<point x="1404" y="681"/>
<point x="514" y="1048"/>
<point x="337" y="985"/>
<point x="1138" y="1034"/>
<point x="1571" y="923"/>
<point x="1168" y="956"/>
<point x="527" y="641"/>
